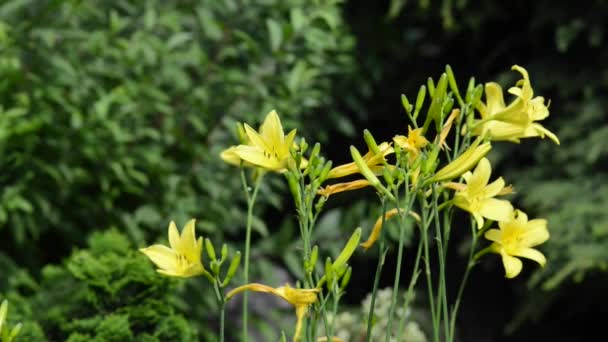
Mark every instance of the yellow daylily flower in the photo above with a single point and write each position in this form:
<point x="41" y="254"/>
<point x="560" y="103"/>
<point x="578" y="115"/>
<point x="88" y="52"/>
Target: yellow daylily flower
<point x="267" y="148"/>
<point x="375" y="162"/>
<point x="183" y="258"/>
<point x="477" y="196"/>
<point x="301" y="299"/>
<point x="517" y="120"/>
<point x="515" y="238"/>
<point x="414" y="141"/>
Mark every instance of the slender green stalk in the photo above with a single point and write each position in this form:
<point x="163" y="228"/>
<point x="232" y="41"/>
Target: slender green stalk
<point x="222" y="325"/>
<point x="442" y="247"/>
<point x="381" y="256"/>
<point x="427" y="271"/>
<point x="250" y="203"/>
<point x="409" y="294"/>
<point x="222" y="302"/>
<point x="400" y="218"/>
<point x="471" y="263"/>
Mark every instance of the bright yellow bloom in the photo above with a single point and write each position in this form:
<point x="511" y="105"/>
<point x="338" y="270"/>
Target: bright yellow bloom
<point x="477" y="196"/>
<point x="515" y="238"/>
<point x="518" y="119"/>
<point x="375" y="162"/>
<point x="268" y="148"/>
<point x="301" y="299"/>
<point x="413" y="142"/>
<point x="183" y="259"/>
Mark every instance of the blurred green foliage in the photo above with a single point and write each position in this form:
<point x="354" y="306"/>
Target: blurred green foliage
<point x="107" y="292"/>
<point x="113" y="113"/>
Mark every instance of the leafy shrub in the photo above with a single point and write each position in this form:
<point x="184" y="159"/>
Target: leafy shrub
<point x="107" y="292"/>
<point x="113" y="113"/>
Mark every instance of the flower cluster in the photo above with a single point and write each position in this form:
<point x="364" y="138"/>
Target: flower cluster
<point x="415" y="186"/>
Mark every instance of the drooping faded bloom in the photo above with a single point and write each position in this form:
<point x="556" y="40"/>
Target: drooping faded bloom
<point x="377" y="229"/>
<point x="183" y="257"/>
<point x="267" y="148"/>
<point x="477" y="196"/>
<point x="517" y="120"/>
<point x="515" y="238"/>
<point x="301" y="299"/>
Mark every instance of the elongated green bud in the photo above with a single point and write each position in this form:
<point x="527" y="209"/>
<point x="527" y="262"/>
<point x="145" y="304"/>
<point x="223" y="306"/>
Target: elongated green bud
<point x="388" y="176"/>
<point x="294" y="186"/>
<point x="452" y="80"/>
<point x="3" y="313"/>
<point x="437" y="97"/>
<point x="310" y="264"/>
<point x="214" y="265"/>
<point x="210" y="250"/>
<point x="315" y="151"/>
<point x="406" y="104"/>
<point x="463" y="163"/>
<point x="470" y="89"/>
<point x="224" y="253"/>
<point x="477" y="93"/>
<point x="234" y="266"/>
<point x="431" y="86"/>
<point x="348" y="250"/>
<point x="363" y="168"/>
<point x="346" y="278"/>
<point x="14" y="332"/>
<point x="371" y="142"/>
<point x="329" y="273"/>
<point x="325" y="171"/>
<point x="419" y="100"/>
<point x="241" y="134"/>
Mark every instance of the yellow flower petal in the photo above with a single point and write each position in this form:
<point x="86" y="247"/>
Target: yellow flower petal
<point x="259" y="157"/>
<point x="494" y="235"/>
<point x="230" y="156"/>
<point x="494" y="188"/>
<point x="162" y="256"/>
<point x="272" y="128"/>
<point x="496" y="209"/>
<point x="174" y="237"/>
<point x="480" y="177"/>
<point x="536" y="233"/>
<point x="494" y="98"/>
<point x="183" y="259"/>
<point x="532" y="254"/>
<point x="512" y="265"/>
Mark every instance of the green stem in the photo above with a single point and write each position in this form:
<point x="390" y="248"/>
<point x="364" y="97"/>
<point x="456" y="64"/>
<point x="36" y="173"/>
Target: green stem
<point x="250" y="203"/>
<point x="399" y="259"/>
<point x="381" y="255"/>
<point x="427" y="270"/>
<point x="409" y="294"/>
<point x="222" y="302"/>
<point x="442" y="247"/>
<point x="471" y="263"/>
